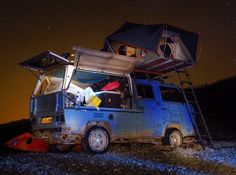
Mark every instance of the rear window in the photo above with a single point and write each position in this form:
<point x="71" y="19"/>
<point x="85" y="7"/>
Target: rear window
<point x="171" y="94"/>
<point x="51" y="82"/>
<point x="144" y="91"/>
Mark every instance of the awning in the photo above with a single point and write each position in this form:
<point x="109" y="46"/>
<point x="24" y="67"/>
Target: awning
<point x="94" y="60"/>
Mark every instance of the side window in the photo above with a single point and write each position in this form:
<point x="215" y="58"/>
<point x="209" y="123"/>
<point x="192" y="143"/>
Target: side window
<point x="144" y="91"/>
<point x="171" y="94"/>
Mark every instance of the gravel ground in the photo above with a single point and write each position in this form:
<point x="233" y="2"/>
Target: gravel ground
<point x="224" y="153"/>
<point x="122" y="159"/>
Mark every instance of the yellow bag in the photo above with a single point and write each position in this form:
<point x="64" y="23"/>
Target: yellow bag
<point x="94" y="101"/>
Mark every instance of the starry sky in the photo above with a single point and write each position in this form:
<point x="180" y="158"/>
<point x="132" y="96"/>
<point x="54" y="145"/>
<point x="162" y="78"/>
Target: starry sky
<point x="28" y="28"/>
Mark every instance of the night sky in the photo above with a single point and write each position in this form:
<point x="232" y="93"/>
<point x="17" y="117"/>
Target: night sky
<point x="31" y="27"/>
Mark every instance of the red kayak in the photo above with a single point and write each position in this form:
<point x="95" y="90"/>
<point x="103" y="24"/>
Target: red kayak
<point x="111" y="86"/>
<point x="26" y="142"/>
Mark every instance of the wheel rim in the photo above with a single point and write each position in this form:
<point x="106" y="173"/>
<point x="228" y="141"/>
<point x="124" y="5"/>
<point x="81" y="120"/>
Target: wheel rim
<point x="98" y="140"/>
<point x="175" y="139"/>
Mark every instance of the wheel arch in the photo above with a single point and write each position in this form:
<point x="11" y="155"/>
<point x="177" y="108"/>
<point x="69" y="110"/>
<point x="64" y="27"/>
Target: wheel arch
<point x="172" y="127"/>
<point x="103" y="124"/>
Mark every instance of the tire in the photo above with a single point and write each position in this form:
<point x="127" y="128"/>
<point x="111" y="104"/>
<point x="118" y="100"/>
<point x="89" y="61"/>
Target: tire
<point x="96" y="140"/>
<point x="174" y="138"/>
<point x="64" y="148"/>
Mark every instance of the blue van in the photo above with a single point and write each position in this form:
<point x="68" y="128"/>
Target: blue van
<point x="93" y="100"/>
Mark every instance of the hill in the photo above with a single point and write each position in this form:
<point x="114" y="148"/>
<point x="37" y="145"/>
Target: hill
<point x="218" y="102"/>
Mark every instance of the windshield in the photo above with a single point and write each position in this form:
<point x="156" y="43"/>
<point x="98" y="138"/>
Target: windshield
<point x="50" y="82"/>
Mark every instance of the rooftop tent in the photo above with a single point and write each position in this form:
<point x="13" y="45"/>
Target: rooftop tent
<point x="158" y="44"/>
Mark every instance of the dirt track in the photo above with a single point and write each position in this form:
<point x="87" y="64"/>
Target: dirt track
<point x="125" y="159"/>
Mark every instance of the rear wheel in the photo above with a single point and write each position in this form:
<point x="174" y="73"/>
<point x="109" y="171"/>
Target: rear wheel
<point x="174" y="138"/>
<point x="96" y="140"/>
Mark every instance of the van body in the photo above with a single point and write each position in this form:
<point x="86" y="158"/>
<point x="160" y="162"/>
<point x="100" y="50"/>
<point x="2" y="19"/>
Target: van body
<point x="131" y="109"/>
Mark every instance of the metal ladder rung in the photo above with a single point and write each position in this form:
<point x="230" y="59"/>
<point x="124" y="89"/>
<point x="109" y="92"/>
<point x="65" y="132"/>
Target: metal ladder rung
<point x="205" y="136"/>
<point x="200" y="124"/>
<point x="186" y="74"/>
<point x="181" y="71"/>
<point x="188" y="92"/>
<point x="196" y="113"/>
<point x="187" y="82"/>
<point x="191" y="102"/>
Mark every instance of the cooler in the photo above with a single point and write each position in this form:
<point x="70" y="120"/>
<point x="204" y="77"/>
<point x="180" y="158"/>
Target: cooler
<point x="110" y="99"/>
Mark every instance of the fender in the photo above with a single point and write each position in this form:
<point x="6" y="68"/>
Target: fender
<point x="173" y="126"/>
<point x="105" y="125"/>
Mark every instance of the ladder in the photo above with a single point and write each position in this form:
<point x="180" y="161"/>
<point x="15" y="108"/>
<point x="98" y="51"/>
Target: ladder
<point x="197" y="118"/>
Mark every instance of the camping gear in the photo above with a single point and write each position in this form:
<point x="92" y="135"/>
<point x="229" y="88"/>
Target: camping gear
<point x="111" y="86"/>
<point x="25" y="142"/>
<point x="110" y="99"/>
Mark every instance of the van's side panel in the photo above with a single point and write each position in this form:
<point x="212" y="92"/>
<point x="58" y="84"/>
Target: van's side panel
<point x="187" y="121"/>
<point x="122" y="123"/>
<point x="150" y="122"/>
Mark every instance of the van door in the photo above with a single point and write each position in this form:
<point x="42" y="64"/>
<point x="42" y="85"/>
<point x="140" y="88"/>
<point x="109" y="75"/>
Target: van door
<point x="45" y="61"/>
<point x="148" y="121"/>
<point x="172" y="102"/>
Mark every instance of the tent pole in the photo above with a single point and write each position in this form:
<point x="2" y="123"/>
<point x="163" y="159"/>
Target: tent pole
<point x="109" y="46"/>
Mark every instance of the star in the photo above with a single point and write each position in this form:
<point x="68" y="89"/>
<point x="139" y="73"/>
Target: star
<point x="227" y="3"/>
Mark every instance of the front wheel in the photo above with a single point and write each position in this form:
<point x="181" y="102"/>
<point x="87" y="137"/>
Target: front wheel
<point x="96" y="140"/>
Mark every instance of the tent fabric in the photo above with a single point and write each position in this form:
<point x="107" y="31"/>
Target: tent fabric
<point x="148" y="36"/>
